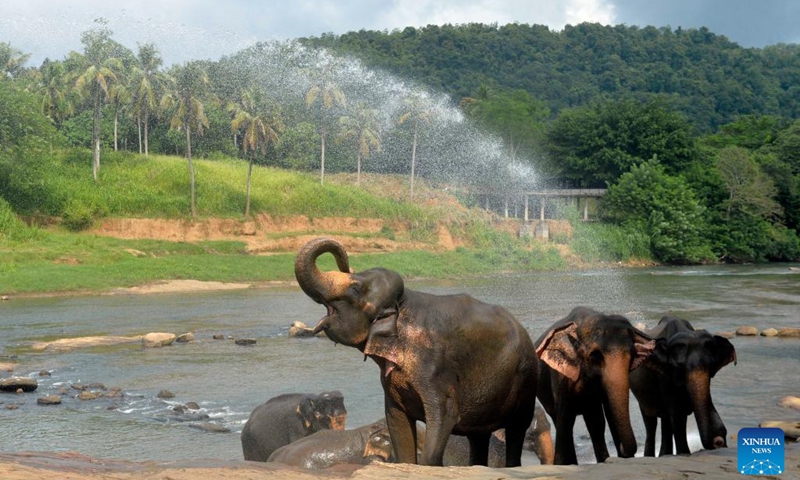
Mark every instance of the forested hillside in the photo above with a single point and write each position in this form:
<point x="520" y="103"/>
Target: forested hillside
<point x="709" y="78"/>
<point x="696" y="138"/>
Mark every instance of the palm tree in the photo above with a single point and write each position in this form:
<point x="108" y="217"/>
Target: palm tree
<point x="191" y="81"/>
<point x="419" y="109"/>
<point x="324" y="90"/>
<point x="98" y="69"/>
<point x="55" y="91"/>
<point x="146" y="84"/>
<point x="258" y="127"/>
<point x="11" y="60"/>
<point x="362" y="126"/>
<point x="120" y="95"/>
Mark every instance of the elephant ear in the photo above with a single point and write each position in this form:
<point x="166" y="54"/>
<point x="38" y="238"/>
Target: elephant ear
<point x="557" y="350"/>
<point x="305" y="412"/>
<point x="660" y="358"/>
<point x="725" y="354"/>
<point x="644" y="345"/>
<point x="383" y="339"/>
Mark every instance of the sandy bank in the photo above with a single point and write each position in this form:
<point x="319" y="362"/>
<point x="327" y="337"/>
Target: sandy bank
<point x="714" y="465"/>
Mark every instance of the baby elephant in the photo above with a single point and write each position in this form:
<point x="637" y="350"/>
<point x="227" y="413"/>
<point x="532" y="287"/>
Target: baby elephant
<point x="328" y="448"/>
<point x="290" y="417"/>
<point x="675" y="382"/>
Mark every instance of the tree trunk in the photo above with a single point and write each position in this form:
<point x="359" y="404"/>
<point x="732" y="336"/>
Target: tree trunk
<point x="249" y="176"/>
<point x="116" y="124"/>
<point x="413" y="162"/>
<point x="146" y="121"/>
<point x="358" y="168"/>
<point x="96" y="133"/>
<point x="139" y="127"/>
<point x="191" y="170"/>
<point x="322" y="161"/>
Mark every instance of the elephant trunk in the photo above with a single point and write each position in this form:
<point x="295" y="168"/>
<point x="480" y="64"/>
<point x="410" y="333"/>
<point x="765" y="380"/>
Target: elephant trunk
<point x="712" y="430"/>
<point x="616" y="383"/>
<point x="322" y="286"/>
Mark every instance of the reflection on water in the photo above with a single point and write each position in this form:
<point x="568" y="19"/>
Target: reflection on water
<point x="228" y="381"/>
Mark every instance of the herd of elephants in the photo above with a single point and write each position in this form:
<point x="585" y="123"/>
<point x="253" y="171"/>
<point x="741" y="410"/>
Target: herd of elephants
<point x="471" y="374"/>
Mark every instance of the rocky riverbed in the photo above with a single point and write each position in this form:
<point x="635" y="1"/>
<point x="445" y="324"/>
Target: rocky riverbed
<point x="707" y="465"/>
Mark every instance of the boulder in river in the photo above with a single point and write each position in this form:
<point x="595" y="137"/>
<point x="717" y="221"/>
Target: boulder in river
<point x="158" y="339"/>
<point x="769" y="332"/>
<point x="185" y="338"/>
<point x="165" y="394"/>
<point x="49" y="400"/>
<point x="747" y="331"/>
<point x="789" y="332"/>
<point x="790" y="401"/>
<point x="790" y="429"/>
<point x="12" y="384"/>
<point x="245" y="341"/>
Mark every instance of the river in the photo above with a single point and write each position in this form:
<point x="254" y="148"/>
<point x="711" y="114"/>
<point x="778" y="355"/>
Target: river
<point x="228" y="380"/>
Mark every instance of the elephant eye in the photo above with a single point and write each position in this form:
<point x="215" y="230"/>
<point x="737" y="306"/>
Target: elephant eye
<point x="596" y="357"/>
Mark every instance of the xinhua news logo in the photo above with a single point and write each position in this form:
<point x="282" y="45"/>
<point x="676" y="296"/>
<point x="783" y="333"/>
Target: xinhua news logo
<point x="760" y="451"/>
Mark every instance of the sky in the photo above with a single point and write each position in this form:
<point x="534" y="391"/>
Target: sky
<point x="205" y="29"/>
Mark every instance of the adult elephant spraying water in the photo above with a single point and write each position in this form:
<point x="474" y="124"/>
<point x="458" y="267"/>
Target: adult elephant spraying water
<point x="459" y="365"/>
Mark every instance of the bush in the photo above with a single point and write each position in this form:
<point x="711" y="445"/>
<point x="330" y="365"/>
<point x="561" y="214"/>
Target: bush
<point x="78" y="216"/>
<point x="14" y="229"/>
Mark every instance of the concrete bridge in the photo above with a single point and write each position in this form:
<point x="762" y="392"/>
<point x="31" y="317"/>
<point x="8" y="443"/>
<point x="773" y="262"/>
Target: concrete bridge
<point x="538" y="228"/>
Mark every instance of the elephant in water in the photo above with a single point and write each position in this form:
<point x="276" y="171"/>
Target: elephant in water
<point x="288" y="418"/>
<point x="328" y="448"/>
<point x="676" y="382"/>
<point x="459" y="365"/>
<point x="584" y="370"/>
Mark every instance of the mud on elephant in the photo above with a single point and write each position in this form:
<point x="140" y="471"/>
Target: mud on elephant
<point x="328" y="448"/>
<point x="584" y="370"/>
<point x="676" y="382"/>
<point x="288" y="418"/>
<point x="459" y="365"/>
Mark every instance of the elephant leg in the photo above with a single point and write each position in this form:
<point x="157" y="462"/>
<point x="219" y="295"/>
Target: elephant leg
<point x="565" y="444"/>
<point x="596" y="424"/>
<point x="515" y="443"/>
<point x="403" y="431"/>
<point x="479" y="448"/>
<point x="650" y="425"/>
<point x="666" y="436"/>
<point x="440" y="419"/>
<point x="679" y="430"/>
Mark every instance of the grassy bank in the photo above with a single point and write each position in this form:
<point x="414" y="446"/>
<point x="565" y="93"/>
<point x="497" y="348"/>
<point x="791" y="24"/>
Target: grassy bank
<point x="66" y="257"/>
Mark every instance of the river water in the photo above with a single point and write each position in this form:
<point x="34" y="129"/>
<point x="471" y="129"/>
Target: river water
<point x="228" y="380"/>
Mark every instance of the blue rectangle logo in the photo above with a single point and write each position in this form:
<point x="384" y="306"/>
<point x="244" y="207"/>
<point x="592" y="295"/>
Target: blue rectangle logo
<point x="760" y="451"/>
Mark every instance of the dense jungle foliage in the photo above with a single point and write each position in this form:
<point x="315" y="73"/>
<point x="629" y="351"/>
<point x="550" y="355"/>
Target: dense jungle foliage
<point x="696" y="138"/>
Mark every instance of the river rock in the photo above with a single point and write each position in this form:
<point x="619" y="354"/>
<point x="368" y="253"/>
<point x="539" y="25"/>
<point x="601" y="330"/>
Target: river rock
<point x="49" y="400"/>
<point x="218" y="336"/>
<point x="790" y="429"/>
<point x="165" y="394"/>
<point x="87" y="395"/>
<point x="185" y="338"/>
<point x="158" y="339"/>
<point x="747" y="331"/>
<point x="728" y="335"/>
<point x="769" y="332"/>
<point x="245" y="341"/>
<point x="114" y="392"/>
<point x="67" y="344"/>
<point x="300" y="330"/>
<point x="789" y="332"/>
<point x="45" y="373"/>
<point x="7" y="366"/>
<point x="192" y="406"/>
<point x="790" y="402"/>
<point x="13" y="384"/>
<point x="210" y="427"/>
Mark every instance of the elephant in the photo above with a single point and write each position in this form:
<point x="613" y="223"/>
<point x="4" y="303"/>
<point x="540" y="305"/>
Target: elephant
<point x="328" y="448"/>
<point x="676" y="382"/>
<point x="585" y="360"/>
<point x="537" y="440"/>
<point x="290" y="417"/>
<point x="457" y="364"/>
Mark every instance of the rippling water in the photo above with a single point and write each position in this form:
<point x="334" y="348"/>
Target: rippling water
<point x="228" y="381"/>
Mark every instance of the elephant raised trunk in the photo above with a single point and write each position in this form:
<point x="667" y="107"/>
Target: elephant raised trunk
<point x="322" y="286"/>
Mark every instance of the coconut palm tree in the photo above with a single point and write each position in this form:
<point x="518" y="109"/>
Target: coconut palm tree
<point x="363" y="126"/>
<point x="191" y="81"/>
<point x="98" y="70"/>
<point x="259" y="127"/>
<point x="325" y="92"/>
<point x="146" y="85"/>
<point x="419" y="109"/>
<point x="11" y="60"/>
<point x="56" y="93"/>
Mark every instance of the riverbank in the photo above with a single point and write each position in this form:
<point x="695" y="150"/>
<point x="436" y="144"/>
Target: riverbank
<point x="708" y="465"/>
